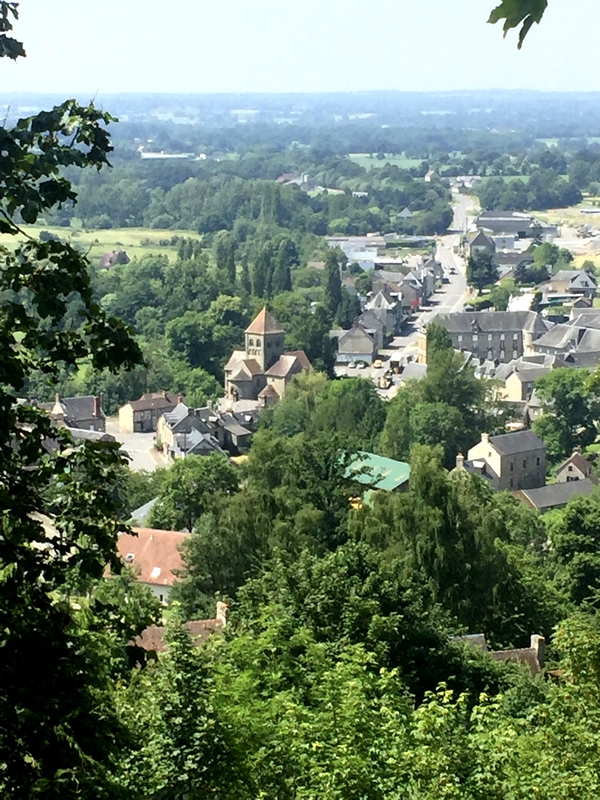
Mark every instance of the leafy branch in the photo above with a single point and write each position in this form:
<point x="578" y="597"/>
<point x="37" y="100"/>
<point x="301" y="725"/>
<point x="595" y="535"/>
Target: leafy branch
<point x="519" y="12"/>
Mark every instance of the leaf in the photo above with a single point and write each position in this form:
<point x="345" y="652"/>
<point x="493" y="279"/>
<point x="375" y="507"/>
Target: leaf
<point x="515" y="12"/>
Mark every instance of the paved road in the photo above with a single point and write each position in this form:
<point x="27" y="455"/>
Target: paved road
<point x="139" y="447"/>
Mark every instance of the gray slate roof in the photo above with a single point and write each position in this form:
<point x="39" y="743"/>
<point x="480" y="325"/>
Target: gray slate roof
<point x="492" y="321"/>
<point x="519" y="442"/>
<point x="557" y="494"/>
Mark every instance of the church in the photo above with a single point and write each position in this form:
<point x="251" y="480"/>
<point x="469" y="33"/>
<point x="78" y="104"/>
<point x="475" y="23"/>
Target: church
<point x="263" y="369"/>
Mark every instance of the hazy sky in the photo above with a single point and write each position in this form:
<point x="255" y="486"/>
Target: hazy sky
<point x="300" y="45"/>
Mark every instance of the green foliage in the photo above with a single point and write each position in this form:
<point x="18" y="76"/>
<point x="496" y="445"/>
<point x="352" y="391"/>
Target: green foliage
<point x="519" y="12"/>
<point x="189" y="489"/>
<point x="570" y="411"/>
<point x="482" y="270"/>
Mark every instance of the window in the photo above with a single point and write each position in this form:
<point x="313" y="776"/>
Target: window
<point x="475" y="338"/>
<point x="512" y="466"/>
<point x="515" y="337"/>
<point x="502" y="337"/>
<point x="489" y="337"/>
<point x="538" y="461"/>
<point x="515" y="353"/>
<point x="524" y="463"/>
<point x="570" y="468"/>
<point x="250" y="342"/>
<point x="258" y="342"/>
<point x="129" y="557"/>
<point x="490" y="355"/>
<point x="460" y="338"/>
<point x="511" y="483"/>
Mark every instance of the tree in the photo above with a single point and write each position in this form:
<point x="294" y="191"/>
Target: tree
<point x="570" y="411"/>
<point x="333" y="282"/>
<point x="59" y="731"/>
<point x="364" y="282"/>
<point x="189" y="489"/>
<point x="482" y="270"/>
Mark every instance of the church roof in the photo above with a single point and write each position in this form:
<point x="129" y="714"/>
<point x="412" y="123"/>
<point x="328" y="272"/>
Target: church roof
<point x="269" y="391"/>
<point x="265" y="322"/>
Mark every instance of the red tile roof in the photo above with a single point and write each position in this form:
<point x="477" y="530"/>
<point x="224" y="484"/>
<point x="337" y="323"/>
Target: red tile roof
<point x="153" y="554"/>
<point x="265" y="322"/>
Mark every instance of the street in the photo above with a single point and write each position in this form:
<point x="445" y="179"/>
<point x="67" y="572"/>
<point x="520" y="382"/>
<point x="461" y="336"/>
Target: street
<point x="138" y="446"/>
<point x="448" y="298"/>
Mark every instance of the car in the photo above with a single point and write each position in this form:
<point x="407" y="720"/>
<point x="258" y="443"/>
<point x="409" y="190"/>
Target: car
<point x="352" y="365"/>
<point x="452" y="271"/>
<point x="378" y="363"/>
<point x="362" y="365"/>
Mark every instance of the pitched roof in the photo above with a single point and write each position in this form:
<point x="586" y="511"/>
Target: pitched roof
<point x="283" y="366"/>
<point x="492" y="321"/>
<point x="157" y="400"/>
<point x="269" y="391"/>
<point x="302" y="358"/>
<point x="556" y="494"/>
<point x="265" y="322"/>
<point x="519" y="442"/>
<point x="576" y="460"/>
<point x="152" y="554"/>
<point x="153" y="637"/>
<point x="380" y="473"/>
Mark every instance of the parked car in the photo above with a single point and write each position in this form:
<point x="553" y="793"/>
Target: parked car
<point x="352" y="365"/>
<point x="362" y="365"/>
<point x="378" y="363"/>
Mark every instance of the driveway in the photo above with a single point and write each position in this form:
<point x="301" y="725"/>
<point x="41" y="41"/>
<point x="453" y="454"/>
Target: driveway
<point x="138" y="446"/>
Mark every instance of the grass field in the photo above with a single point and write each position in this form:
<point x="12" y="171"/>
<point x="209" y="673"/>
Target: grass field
<point x="98" y="242"/>
<point x="367" y="161"/>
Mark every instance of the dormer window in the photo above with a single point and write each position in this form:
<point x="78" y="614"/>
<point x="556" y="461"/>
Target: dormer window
<point x="129" y="558"/>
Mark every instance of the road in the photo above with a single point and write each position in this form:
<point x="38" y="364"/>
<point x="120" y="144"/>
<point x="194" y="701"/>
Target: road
<point x="449" y="298"/>
<point x="138" y="446"/>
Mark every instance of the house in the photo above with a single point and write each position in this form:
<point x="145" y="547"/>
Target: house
<point x="478" y="241"/>
<point x="521" y="226"/>
<point x="387" y="308"/>
<point x="142" y="415"/>
<point x="575" y="468"/>
<point x="77" y="412"/>
<point x="413" y="371"/>
<point x="175" y="428"/>
<point x="431" y="176"/>
<point x="568" y="282"/>
<point x="154" y="556"/>
<point x="152" y="639"/>
<point x="532" y="656"/>
<point x="406" y="213"/>
<point x="555" y="495"/>
<point x="489" y="335"/>
<point x="520" y="380"/>
<point x="354" y="345"/>
<point x="263" y="362"/>
<point x="372" y="323"/>
<point x="509" y="461"/>
<point x="377" y="472"/>
<point x="577" y="342"/>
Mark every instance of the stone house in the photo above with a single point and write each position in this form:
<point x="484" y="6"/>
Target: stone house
<point x="354" y="345"/>
<point x="489" y="335"/>
<point x="387" y="309"/>
<point x="77" y="412"/>
<point x="479" y="241"/>
<point x="575" y="468"/>
<point x="555" y="495"/>
<point x="510" y="461"/>
<point x="263" y="362"/>
<point x="142" y="415"/>
<point x="567" y="282"/>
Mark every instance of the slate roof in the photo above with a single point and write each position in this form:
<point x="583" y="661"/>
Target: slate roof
<point x="556" y="494"/>
<point x="356" y="340"/>
<point x="151" y="400"/>
<point x="508" y="444"/>
<point x="382" y="299"/>
<point x="576" y="460"/>
<point x="141" y="514"/>
<point x="155" y="554"/>
<point x="269" y="391"/>
<point x="74" y="408"/>
<point x="283" y="366"/>
<point x="153" y="637"/>
<point x="196" y="443"/>
<point x="573" y="276"/>
<point x="414" y="371"/>
<point x="492" y="321"/>
<point x="265" y="322"/>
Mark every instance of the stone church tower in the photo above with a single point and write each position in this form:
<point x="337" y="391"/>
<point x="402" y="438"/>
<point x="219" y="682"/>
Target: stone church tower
<point x="264" y="340"/>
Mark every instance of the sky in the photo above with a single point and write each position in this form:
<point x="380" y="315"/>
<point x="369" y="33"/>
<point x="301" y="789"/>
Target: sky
<point x="113" y="46"/>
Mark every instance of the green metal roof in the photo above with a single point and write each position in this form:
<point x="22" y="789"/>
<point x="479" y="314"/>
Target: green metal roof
<point x="379" y="472"/>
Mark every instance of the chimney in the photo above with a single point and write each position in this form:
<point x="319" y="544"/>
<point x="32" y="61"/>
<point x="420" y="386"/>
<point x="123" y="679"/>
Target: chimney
<point x="57" y="397"/>
<point x="97" y="406"/>
<point x="221" y="615"/>
<point x="179" y="399"/>
<point x="538" y="645"/>
<point x="460" y="461"/>
<point x="485" y="438"/>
